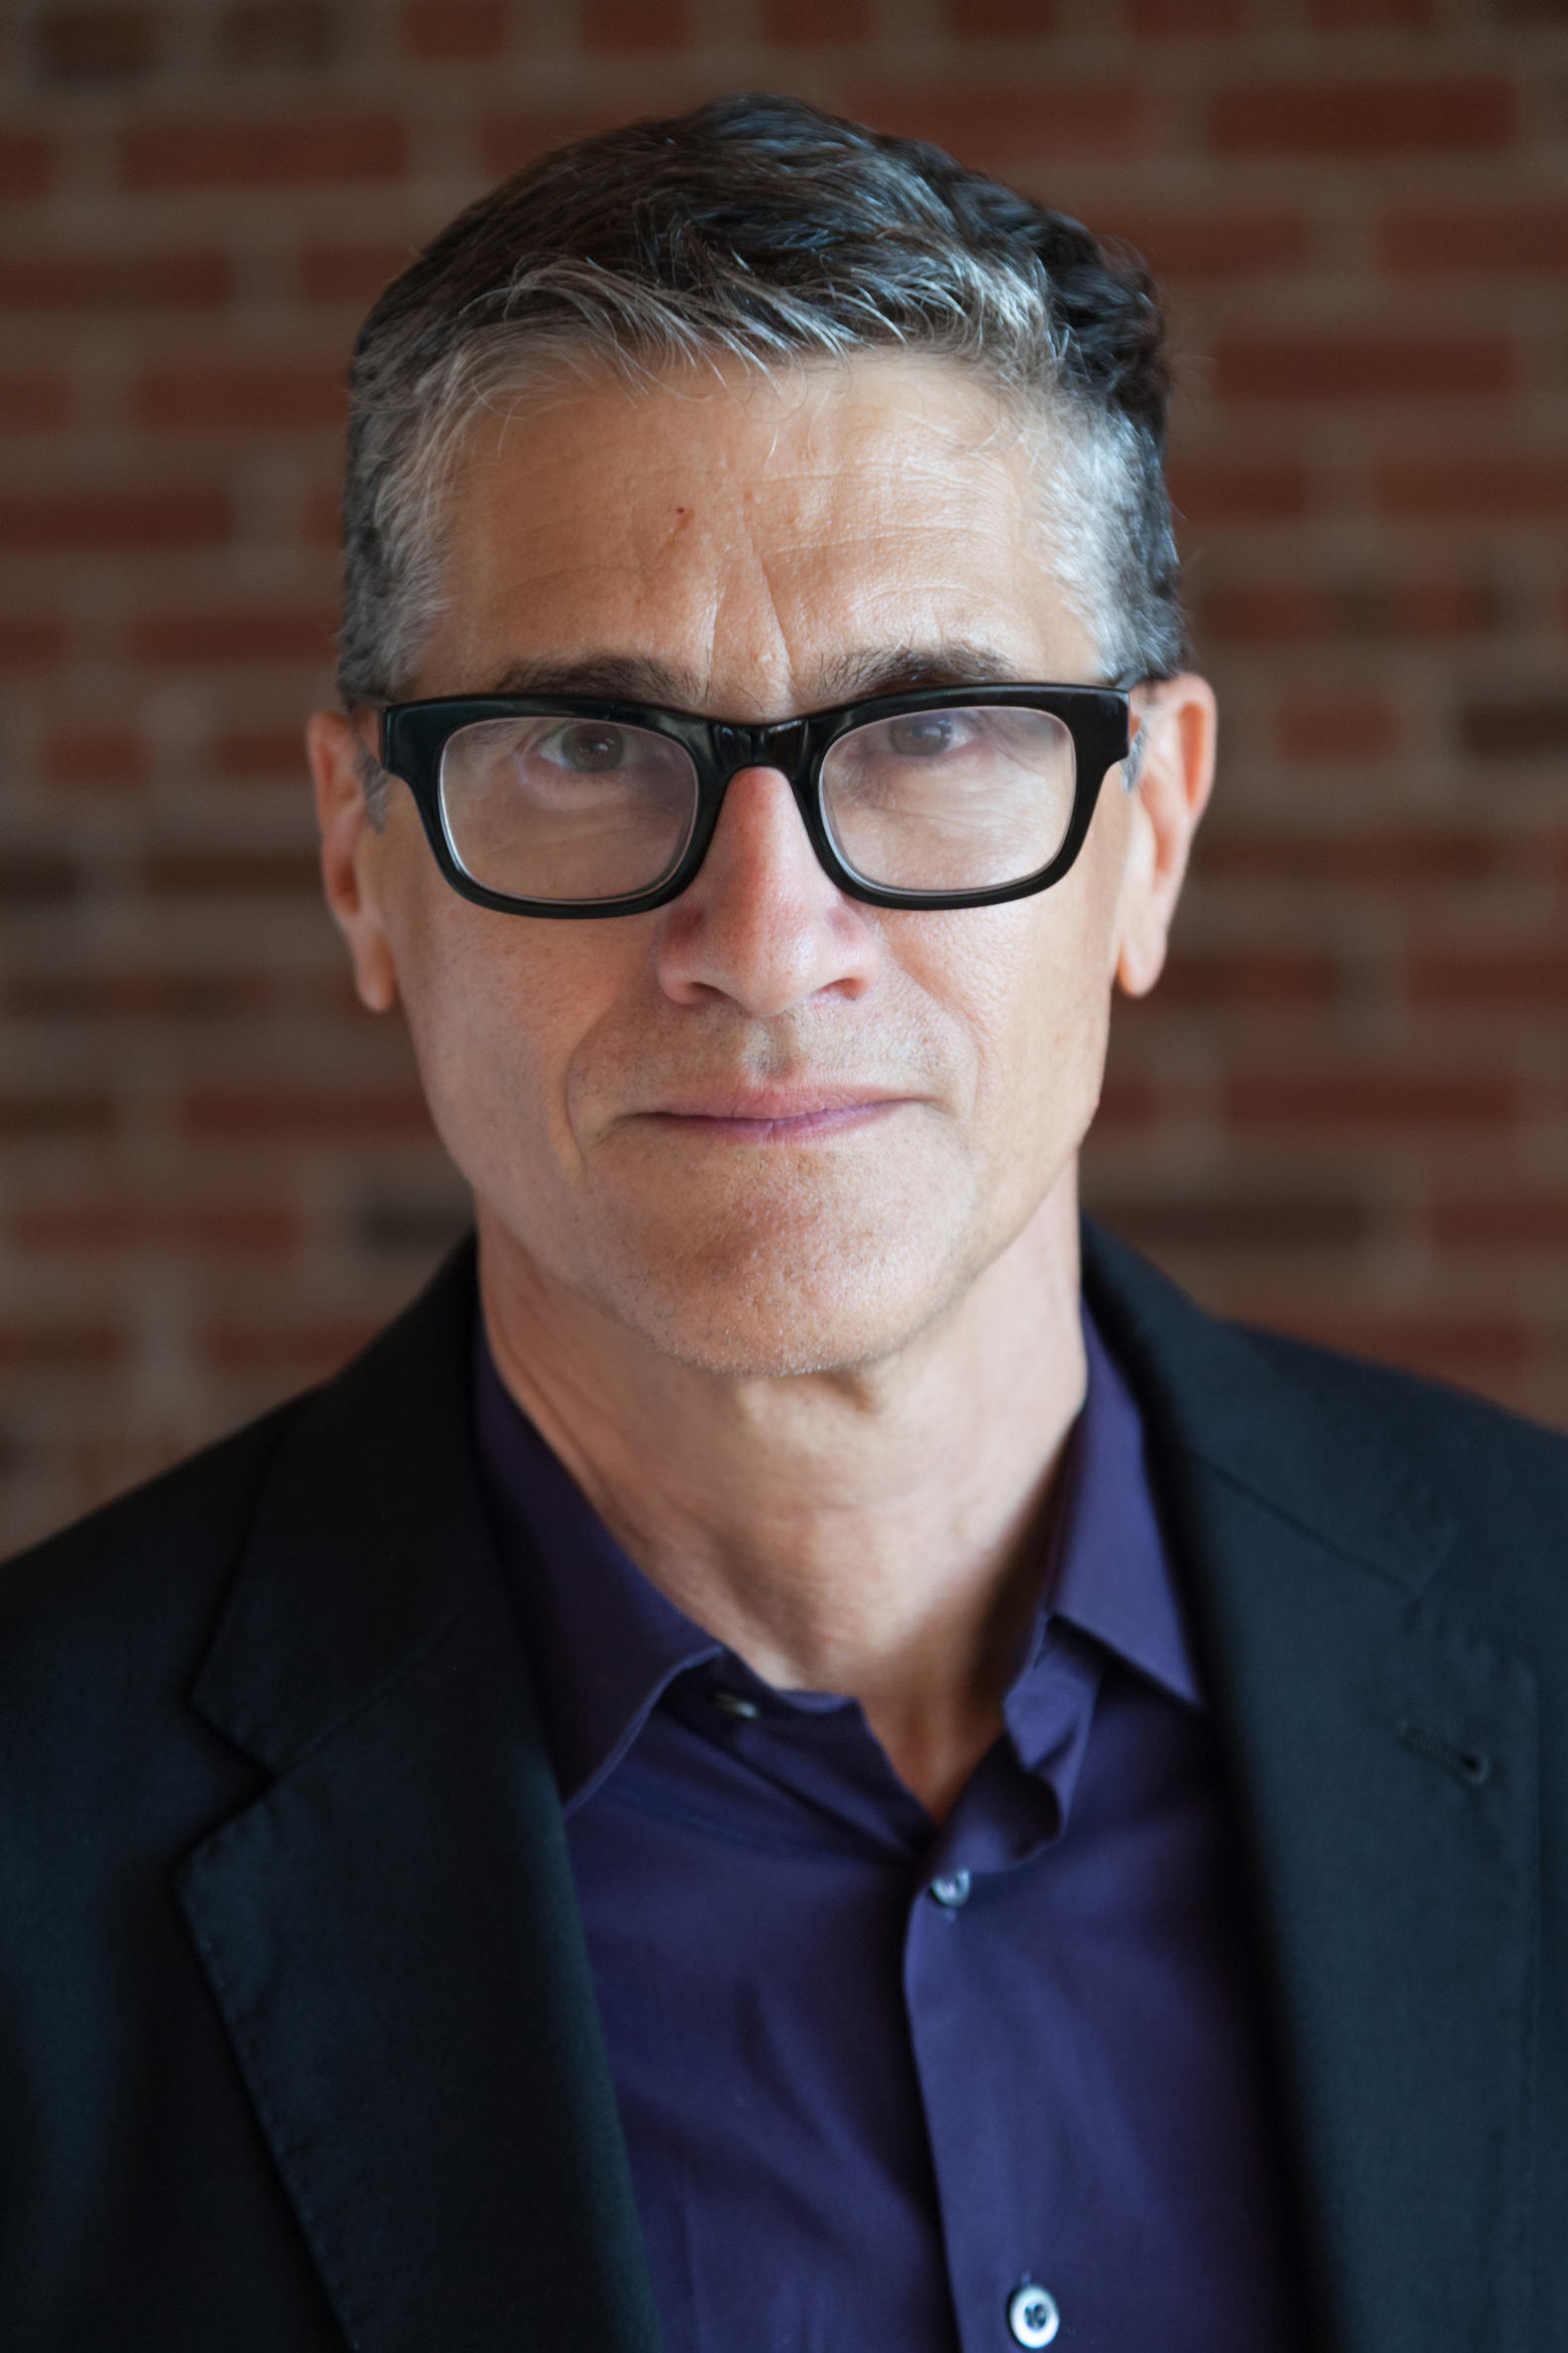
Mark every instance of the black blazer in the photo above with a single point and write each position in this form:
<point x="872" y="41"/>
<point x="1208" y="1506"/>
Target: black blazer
<point x="297" y="2042"/>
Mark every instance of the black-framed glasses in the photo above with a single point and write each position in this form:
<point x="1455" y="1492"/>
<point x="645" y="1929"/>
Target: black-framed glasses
<point x="568" y="804"/>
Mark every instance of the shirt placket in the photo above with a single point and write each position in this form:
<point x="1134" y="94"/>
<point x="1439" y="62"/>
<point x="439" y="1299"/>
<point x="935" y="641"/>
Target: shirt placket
<point x="992" y="2192"/>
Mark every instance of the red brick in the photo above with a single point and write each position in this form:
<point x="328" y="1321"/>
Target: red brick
<point x="26" y="643"/>
<point x="27" y="164"/>
<point x="1372" y="1102"/>
<point x="1528" y="489"/>
<point x="1403" y="858"/>
<point x="1454" y="1348"/>
<point x="1502" y="1221"/>
<point x="299" y="1352"/>
<point x="86" y="521"/>
<point x="1267" y="613"/>
<point x="1126" y="1105"/>
<point x="1222" y="490"/>
<point x="259" y="752"/>
<point x="300" y="1114"/>
<point x="437" y="32"/>
<point x="1329" y="367"/>
<point x="351" y="272"/>
<point x="1361" y="16"/>
<point x="1444" y="608"/>
<point x="34" y="874"/>
<point x="511" y="139"/>
<point x="335" y="150"/>
<point x="606" y="27"/>
<point x="1168" y="20"/>
<point x="37" y="1344"/>
<point x="1334" y="725"/>
<point x="1476" y="114"/>
<point x="33" y="403"/>
<point x="154" y="996"/>
<point x="1270" y="612"/>
<point x="1286" y="1221"/>
<point x="270" y="34"/>
<point x="791" y="22"/>
<point x="231" y="874"/>
<point x="95" y="757"/>
<point x="97" y="44"/>
<point x="264" y="634"/>
<point x="1513" y="727"/>
<point x="1210" y="244"/>
<point x="1516" y="238"/>
<point x="191" y="280"/>
<point x="247" y="396"/>
<point x="1487" y="982"/>
<point x="1056" y="122"/>
<point x="1272" y="977"/>
<point x="254" y="1229"/>
<point x="323" y="519"/>
<point x="52" y="1118"/>
<point x="1001" y="20"/>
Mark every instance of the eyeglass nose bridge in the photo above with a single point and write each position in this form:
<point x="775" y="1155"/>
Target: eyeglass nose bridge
<point x="781" y="744"/>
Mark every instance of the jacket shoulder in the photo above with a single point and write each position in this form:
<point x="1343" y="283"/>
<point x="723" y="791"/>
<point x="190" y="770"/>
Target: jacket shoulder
<point x="1217" y="1375"/>
<point x="1458" y="1437"/>
<point x="138" y="1581"/>
<point x="1455" y="1494"/>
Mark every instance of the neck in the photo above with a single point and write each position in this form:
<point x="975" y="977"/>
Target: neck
<point x="877" y="1533"/>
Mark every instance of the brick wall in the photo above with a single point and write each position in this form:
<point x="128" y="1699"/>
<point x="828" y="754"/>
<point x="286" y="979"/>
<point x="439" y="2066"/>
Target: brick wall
<point x="1347" y="1110"/>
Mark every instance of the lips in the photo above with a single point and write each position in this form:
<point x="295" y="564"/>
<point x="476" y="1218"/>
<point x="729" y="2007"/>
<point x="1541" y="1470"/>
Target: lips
<point x="773" y="1103"/>
<point x="772" y="1114"/>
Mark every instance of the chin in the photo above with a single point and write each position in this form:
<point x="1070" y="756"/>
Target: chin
<point x="782" y="1306"/>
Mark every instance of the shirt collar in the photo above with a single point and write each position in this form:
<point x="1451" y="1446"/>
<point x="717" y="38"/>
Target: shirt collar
<point x="604" y="1644"/>
<point x="602" y="1641"/>
<point x="1111" y="1573"/>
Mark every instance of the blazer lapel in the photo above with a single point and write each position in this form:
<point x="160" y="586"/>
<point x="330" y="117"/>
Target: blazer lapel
<point x="391" y="1930"/>
<point x="1384" y="1764"/>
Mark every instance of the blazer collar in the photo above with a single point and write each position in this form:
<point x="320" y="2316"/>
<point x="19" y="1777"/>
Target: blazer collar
<point x="1383" y="1755"/>
<point x="369" y="1541"/>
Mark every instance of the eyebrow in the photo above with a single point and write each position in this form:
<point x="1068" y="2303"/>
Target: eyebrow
<point x="619" y="678"/>
<point x="851" y="677"/>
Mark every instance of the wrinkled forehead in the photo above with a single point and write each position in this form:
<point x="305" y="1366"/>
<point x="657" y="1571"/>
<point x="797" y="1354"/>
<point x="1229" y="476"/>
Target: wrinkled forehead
<point x="750" y="537"/>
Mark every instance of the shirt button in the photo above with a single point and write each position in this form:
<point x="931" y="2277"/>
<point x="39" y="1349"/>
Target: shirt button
<point x="952" y="1890"/>
<point x="735" y="1703"/>
<point x="1032" y="2316"/>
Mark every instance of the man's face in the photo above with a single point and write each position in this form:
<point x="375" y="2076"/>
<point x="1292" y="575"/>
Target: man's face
<point x="765" y="1127"/>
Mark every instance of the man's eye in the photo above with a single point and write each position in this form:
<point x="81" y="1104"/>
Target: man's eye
<point x="587" y="747"/>
<point x="923" y="735"/>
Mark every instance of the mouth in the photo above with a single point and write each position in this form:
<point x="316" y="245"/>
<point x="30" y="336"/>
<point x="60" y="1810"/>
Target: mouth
<point x="772" y="1114"/>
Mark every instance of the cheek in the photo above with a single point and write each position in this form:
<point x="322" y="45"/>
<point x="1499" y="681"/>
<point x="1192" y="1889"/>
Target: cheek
<point x="497" y="1006"/>
<point x="1028" y="985"/>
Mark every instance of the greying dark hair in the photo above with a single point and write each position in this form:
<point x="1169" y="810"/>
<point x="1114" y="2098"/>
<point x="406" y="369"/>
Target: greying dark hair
<point x="760" y="231"/>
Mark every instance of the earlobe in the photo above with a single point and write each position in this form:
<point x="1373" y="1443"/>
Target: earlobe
<point x="337" y="755"/>
<point x="1140" y="945"/>
<point x="1174" y="778"/>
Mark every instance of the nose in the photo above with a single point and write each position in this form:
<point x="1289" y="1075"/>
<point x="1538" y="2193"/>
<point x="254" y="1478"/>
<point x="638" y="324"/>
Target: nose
<point x="761" y="925"/>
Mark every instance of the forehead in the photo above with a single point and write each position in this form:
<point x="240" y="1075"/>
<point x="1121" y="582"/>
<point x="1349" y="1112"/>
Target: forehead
<point x="754" y="541"/>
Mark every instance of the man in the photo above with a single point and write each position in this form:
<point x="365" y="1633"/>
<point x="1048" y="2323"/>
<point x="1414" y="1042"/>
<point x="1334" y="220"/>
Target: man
<point x="767" y="1770"/>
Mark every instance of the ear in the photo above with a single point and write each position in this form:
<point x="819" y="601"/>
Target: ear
<point x="350" y="836"/>
<point x="1175" y="775"/>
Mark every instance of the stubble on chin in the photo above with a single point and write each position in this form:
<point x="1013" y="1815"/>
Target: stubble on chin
<point x="780" y="1271"/>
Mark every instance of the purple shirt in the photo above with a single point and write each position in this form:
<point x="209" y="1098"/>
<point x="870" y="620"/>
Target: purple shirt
<point x="877" y="2078"/>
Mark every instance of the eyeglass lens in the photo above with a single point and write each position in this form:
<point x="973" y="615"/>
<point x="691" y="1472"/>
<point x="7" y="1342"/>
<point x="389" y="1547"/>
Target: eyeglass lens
<point x="939" y="800"/>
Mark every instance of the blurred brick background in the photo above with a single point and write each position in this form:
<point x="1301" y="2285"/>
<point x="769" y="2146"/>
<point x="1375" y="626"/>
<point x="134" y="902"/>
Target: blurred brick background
<point x="1348" y="1112"/>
